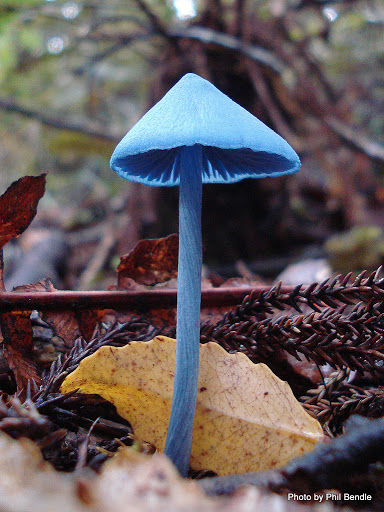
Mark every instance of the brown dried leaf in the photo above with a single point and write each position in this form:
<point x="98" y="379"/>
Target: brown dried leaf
<point x="18" y="206"/>
<point x="45" y="285"/>
<point x="27" y="482"/>
<point x="87" y="320"/>
<point x="135" y="482"/>
<point x="152" y="261"/>
<point x="2" y="287"/>
<point x="67" y="325"/>
<point x="129" y="482"/>
<point x="63" y="323"/>
<point x="147" y="483"/>
<point x="17" y="335"/>
<point x="158" y="317"/>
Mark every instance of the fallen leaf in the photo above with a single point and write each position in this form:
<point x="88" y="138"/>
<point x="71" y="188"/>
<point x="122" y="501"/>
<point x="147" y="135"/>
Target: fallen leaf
<point x="247" y="419"/>
<point x="88" y="319"/>
<point x="127" y="483"/>
<point x="27" y="482"/>
<point x="18" y="206"/>
<point x="135" y="482"/>
<point x="151" y="261"/>
<point x="16" y="331"/>
<point x="147" y="483"/>
<point x="67" y="325"/>
<point x="2" y="287"/>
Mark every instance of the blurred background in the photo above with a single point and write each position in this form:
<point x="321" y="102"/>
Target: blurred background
<point x="76" y="75"/>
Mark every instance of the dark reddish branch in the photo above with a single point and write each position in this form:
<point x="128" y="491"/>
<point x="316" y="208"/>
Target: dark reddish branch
<point x="239" y="9"/>
<point x="119" y="300"/>
<point x="155" y="21"/>
<point x="266" y="98"/>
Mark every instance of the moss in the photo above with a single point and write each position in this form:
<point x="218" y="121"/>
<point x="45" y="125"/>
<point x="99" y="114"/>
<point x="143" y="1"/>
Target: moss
<point x="360" y="248"/>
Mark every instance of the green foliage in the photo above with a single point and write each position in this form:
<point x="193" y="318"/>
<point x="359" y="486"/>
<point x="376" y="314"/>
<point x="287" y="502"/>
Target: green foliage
<point x="360" y="248"/>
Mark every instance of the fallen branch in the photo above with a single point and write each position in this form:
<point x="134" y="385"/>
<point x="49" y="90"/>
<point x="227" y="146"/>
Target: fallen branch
<point x="250" y="300"/>
<point x="118" y="300"/>
<point x="56" y="122"/>
<point x="207" y="35"/>
<point x="356" y="140"/>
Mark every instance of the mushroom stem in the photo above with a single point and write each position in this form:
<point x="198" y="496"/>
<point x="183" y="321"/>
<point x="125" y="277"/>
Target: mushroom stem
<point x="179" y="437"/>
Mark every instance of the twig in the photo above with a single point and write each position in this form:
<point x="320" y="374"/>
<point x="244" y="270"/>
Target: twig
<point x="56" y="122"/>
<point x="357" y="140"/>
<point x="330" y="464"/>
<point x="269" y="103"/>
<point x="99" y="257"/>
<point x="207" y="35"/>
<point x="155" y="21"/>
<point x="117" y="300"/>
<point x="2" y="287"/>
<point x="240" y="10"/>
<point x="218" y="485"/>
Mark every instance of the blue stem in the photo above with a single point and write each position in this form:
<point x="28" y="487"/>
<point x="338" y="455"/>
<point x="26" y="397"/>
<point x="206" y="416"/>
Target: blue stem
<point x="179" y="437"/>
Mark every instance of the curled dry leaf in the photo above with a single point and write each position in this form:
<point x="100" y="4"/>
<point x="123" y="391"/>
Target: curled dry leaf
<point x="29" y="483"/>
<point x="127" y="483"/>
<point x="246" y="418"/>
<point x="67" y="324"/>
<point x="137" y="482"/>
<point x="147" y="483"/>
<point x="17" y="335"/>
<point x="18" y="206"/>
<point x="152" y="261"/>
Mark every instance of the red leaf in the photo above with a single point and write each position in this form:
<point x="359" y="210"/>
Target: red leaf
<point x="18" y="206"/>
<point x="152" y="261"/>
<point x="66" y="324"/>
<point x="16" y="330"/>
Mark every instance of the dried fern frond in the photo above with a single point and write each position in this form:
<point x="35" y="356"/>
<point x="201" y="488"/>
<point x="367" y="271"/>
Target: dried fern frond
<point x="334" y="404"/>
<point x="349" y="337"/>
<point x="338" y="322"/>
<point x="115" y="334"/>
<point x="331" y="293"/>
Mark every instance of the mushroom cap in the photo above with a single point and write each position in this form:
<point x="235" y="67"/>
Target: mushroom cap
<point x="235" y="144"/>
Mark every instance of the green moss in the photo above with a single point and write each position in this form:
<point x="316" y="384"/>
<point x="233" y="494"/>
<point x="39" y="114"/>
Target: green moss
<point x="360" y="248"/>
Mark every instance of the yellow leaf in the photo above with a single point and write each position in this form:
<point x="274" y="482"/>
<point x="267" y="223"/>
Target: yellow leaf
<point x="247" y="419"/>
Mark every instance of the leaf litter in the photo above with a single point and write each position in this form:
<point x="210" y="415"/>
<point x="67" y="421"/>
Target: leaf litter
<point x="130" y="481"/>
<point x="72" y="430"/>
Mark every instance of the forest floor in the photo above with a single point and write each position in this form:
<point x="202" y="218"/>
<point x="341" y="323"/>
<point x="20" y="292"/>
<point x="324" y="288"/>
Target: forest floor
<point x="324" y="338"/>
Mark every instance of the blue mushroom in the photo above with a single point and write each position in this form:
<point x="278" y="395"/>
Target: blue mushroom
<point x="195" y="134"/>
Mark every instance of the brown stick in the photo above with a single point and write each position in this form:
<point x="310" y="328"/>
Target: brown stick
<point x="339" y="290"/>
<point x="119" y="300"/>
